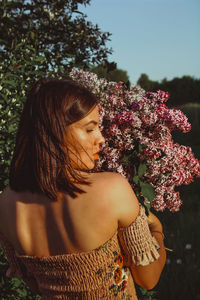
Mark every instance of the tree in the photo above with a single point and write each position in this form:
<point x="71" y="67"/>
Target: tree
<point x="182" y="90"/>
<point x="16" y="76"/>
<point x="146" y="83"/>
<point x="39" y="38"/>
<point x="110" y="71"/>
<point x="56" y="29"/>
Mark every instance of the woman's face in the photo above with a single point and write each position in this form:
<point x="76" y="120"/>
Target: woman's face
<point x="84" y="139"/>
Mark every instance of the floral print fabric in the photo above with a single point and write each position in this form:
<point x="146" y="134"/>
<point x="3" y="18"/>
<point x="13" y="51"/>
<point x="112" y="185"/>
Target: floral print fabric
<point x="118" y="274"/>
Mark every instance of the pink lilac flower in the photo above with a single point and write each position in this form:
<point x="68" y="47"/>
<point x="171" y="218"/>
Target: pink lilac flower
<point x="129" y="117"/>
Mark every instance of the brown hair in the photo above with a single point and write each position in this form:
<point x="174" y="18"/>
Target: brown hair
<point x="41" y="160"/>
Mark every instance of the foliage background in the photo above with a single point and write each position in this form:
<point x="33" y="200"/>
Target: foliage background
<point x="180" y="279"/>
<point x="38" y="38"/>
<point x="182" y="90"/>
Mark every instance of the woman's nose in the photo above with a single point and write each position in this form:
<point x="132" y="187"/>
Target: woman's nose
<point x="101" y="139"/>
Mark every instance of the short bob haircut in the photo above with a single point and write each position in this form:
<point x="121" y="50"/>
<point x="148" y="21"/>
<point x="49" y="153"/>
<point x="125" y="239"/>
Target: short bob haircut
<point x="41" y="162"/>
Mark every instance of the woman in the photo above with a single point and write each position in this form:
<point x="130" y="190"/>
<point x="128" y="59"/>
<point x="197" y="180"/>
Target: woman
<point x="73" y="234"/>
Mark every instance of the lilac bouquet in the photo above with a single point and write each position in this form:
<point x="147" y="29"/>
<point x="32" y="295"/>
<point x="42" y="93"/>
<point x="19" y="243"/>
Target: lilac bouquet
<point x="137" y="128"/>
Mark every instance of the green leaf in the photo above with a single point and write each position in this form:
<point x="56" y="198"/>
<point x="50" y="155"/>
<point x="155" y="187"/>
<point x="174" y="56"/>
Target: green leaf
<point x="125" y="160"/>
<point x="136" y="179"/>
<point x="21" y="293"/>
<point x="32" y="35"/>
<point x="16" y="282"/>
<point x="147" y="206"/>
<point x="140" y="148"/>
<point x="6" y="182"/>
<point x="147" y="191"/>
<point x="10" y="83"/>
<point x="142" y="169"/>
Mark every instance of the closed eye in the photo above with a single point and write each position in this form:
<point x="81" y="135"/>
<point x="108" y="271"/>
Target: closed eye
<point x="94" y="128"/>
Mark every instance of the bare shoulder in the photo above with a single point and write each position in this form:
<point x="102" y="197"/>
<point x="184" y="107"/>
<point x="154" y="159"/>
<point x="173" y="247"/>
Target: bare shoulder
<point x="117" y="189"/>
<point x="108" y="180"/>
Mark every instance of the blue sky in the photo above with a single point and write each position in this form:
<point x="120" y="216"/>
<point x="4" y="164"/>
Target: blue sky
<point x="158" y="37"/>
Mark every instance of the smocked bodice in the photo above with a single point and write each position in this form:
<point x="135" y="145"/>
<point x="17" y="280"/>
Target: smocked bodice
<point x="97" y="274"/>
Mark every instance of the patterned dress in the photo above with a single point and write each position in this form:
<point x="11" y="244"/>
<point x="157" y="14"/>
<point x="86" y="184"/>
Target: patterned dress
<point x="101" y="273"/>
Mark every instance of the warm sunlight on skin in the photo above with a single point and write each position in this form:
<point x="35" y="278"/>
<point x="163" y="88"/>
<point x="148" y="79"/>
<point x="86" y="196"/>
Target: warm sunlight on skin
<point x="84" y="139"/>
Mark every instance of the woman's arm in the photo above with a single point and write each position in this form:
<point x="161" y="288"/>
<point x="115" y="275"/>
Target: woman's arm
<point x="141" y="231"/>
<point x="148" y="276"/>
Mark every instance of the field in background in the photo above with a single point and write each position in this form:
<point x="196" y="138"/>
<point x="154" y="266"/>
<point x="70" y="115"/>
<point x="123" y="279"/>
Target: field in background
<point x="181" y="276"/>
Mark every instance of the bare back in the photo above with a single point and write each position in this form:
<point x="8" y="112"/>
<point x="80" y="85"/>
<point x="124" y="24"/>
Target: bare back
<point x="36" y="226"/>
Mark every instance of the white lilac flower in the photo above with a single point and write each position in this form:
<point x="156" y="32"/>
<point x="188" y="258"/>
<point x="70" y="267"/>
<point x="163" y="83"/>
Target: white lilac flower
<point x="127" y="116"/>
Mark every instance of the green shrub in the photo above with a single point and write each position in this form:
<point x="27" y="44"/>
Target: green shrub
<point x="17" y="74"/>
